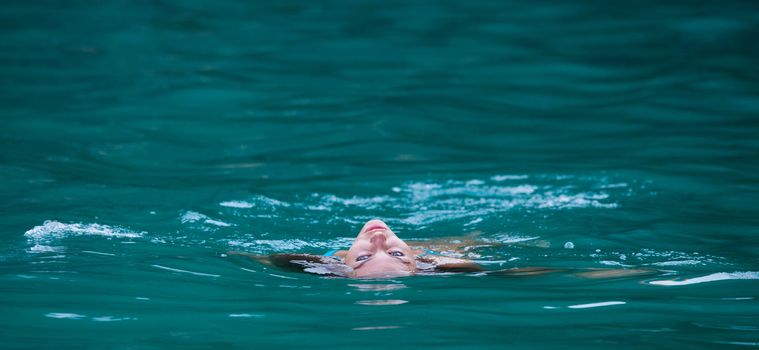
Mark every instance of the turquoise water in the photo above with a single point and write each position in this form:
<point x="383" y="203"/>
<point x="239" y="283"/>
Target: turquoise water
<point x="142" y="141"/>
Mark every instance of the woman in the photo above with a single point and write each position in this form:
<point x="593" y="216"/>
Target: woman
<point x="377" y="252"/>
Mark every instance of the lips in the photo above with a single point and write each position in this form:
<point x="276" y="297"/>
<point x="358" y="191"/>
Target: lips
<point x="375" y="227"/>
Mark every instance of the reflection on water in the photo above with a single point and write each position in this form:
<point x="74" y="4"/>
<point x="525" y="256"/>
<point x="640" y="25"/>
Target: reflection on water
<point x="378" y="287"/>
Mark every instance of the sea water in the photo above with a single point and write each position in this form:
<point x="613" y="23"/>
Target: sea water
<point x="142" y="142"/>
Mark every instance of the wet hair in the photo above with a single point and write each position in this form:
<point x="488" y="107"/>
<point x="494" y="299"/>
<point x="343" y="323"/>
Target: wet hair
<point x="332" y="266"/>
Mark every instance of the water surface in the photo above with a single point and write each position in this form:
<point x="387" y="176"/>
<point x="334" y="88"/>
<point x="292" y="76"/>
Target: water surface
<point x="142" y="141"/>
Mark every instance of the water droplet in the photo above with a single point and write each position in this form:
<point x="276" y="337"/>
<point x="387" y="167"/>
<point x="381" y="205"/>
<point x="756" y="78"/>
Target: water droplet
<point x="569" y="245"/>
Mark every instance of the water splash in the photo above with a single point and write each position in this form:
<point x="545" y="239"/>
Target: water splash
<point x="192" y="217"/>
<point x="237" y="204"/>
<point x="51" y="231"/>
<point x="423" y="203"/>
<point x="285" y="245"/>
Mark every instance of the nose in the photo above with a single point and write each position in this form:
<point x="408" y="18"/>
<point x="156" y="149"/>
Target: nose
<point x="378" y="239"/>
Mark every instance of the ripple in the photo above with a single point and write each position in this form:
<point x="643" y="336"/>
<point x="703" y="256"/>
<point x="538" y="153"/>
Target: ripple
<point x="600" y="304"/>
<point x="185" y="271"/>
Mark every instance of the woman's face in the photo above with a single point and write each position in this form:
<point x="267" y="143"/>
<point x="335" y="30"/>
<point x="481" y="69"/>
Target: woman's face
<point x="378" y="252"/>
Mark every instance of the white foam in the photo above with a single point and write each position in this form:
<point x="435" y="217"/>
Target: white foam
<point x="111" y="319"/>
<point x="423" y="203"/>
<point x="245" y="315"/>
<point x="363" y="202"/>
<point x="509" y="239"/>
<point x="426" y="217"/>
<point x="65" y="315"/>
<point x="374" y="328"/>
<point x="193" y="216"/>
<point x="320" y="207"/>
<point x="272" y="201"/>
<point x="40" y="248"/>
<point x="719" y="276"/>
<point x="237" y="204"/>
<point x="618" y="185"/>
<point x="565" y="201"/>
<point x="601" y="304"/>
<point x="255" y="201"/>
<point x="281" y="245"/>
<point x="677" y="263"/>
<point x="52" y="230"/>
<point x="500" y="178"/>
<point x="474" y="221"/>
<point x="217" y="223"/>
<point x="613" y="263"/>
<point x="383" y="302"/>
